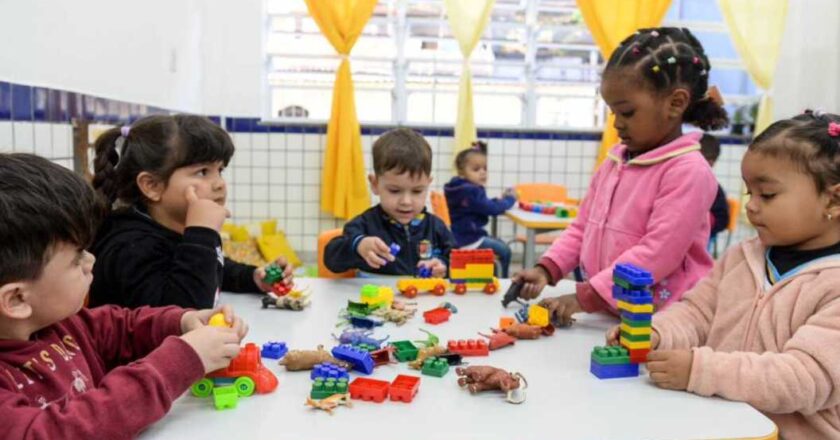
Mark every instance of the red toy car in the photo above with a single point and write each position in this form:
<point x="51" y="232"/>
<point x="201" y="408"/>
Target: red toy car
<point x="246" y="372"/>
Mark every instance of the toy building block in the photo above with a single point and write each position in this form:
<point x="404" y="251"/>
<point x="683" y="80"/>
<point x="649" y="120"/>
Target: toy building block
<point x="612" y="362"/>
<point x="404" y="388"/>
<point x="631" y="277"/>
<point x="394" y="249"/>
<point x="635" y="323"/>
<point x="631" y="296"/>
<point x="225" y="397"/>
<point x="641" y="317"/>
<point x="273" y="273"/>
<point x="610" y="355"/>
<point x="363" y="322"/>
<point x="218" y="320"/>
<point x="404" y="351"/>
<point x="634" y="345"/>
<point x="435" y="366"/>
<point x="634" y="308"/>
<point x="377" y="296"/>
<point x="369" y="389"/>
<point x="280" y="289"/>
<point x="506" y="322"/>
<point x="635" y="330"/>
<point x="522" y="314"/>
<point x="328" y="371"/>
<point x="274" y="350"/>
<point x="436" y="316"/>
<point x="381" y="356"/>
<point x="326" y="387"/>
<point x="424" y="272"/>
<point x="470" y="347"/>
<point x="538" y="315"/>
<point x="359" y="308"/>
<point x="361" y="359"/>
<point x="452" y="358"/>
<point x="639" y="356"/>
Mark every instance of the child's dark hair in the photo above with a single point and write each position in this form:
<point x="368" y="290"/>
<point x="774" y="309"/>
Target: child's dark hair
<point x="811" y="140"/>
<point x="667" y="58"/>
<point x="402" y="150"/>
<point x="42" y="204"/>
<point x="156" y="144"/>
<point x="710" y="147"/>
<point x="478" y="147"/>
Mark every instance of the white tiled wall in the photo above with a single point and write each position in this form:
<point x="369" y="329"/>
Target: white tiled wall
<point x="51" y="140"/>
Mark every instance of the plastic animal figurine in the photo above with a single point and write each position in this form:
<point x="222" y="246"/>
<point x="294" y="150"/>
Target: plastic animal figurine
<point x="330" y="403"/>
<point x="499" y="339"/>
<point x="297" y="360"/>
<point x="396" y="316"/>
<point x="482" y="378"/>
<point x="430" y="341"/>
<point x="356" y="337"/>
<point x="402" y="305"/>
<point x="425" y="352"/>
<point x="287" y="302"/>
<point x="522" y="331"/>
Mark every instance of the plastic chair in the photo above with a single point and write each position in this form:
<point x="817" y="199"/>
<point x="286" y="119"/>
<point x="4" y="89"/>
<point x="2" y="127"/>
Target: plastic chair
<point x="734" y="213"/>
<point x="542" y="192"/>
<point x="440" y="208"/>
<point x="323" y="272"/>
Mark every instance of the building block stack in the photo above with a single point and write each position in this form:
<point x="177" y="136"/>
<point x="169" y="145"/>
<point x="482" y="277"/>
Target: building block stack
<point x="472" y="269"/>
<point x="631" y="290"/>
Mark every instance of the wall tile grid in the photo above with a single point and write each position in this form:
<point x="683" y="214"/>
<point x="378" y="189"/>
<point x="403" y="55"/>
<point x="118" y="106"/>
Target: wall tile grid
<point x="276" y="171"/>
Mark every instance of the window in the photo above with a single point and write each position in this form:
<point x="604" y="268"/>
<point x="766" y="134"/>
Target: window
<point x="535" y="66"/>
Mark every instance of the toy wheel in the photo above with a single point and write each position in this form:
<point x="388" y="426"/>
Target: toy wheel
<point x="490" y="288"/>
<point x="460" y="289"/>
<point x="439" y="290"/>
<point x="244" y="386"/>
<point x="410" y="291"/>
<point x="202" y="388"/>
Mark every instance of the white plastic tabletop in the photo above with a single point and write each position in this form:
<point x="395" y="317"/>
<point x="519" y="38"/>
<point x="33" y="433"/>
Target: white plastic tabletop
<point x="563" y="400"/>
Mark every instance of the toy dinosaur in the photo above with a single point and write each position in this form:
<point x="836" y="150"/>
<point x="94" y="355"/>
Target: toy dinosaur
<point x="482" y="378"/>
<point x="297" y="360"/>
<point x="430" y="341"/>
<point x="356" y="337"/>
<point x="402" y="305"/>
<point x="425" y="352"/>
<point x="330" y="403"/>
<point x="396" y="316"/>
<point x="499" y="340"/>
<point x="522" y="331"/>
<point x="287" y="302"/>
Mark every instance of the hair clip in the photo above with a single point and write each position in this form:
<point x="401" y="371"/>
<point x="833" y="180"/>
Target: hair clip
<point x="635" y="50"/>
<point x="655" y="68"/>
<point x="124" y="130"/>
<point x="833" y="129"/>
<point x="671" y="60"/>
<point x="654" y="33"/>
<point x="695" y="60"/>
<point x="703" y="72"/>
<point x="713" y="94"/>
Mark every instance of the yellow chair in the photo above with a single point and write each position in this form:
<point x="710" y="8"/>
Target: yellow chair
<point x="323" y="272"/>
<point x="541" y="192"/>
<point x="440" y="208"/>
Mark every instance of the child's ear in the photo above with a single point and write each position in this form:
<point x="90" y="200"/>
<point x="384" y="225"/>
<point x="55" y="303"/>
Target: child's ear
<point x="13" y="300"/>
<point x="678" y="102"/>
<point x="833" y="208"/>
<point x="373" y="183"/>
<point x="151" y="187"/>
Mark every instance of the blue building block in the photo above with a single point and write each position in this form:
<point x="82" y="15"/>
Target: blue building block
<point x="362" y="322"/>
<point x="360" y="359"/>
<point x="634" y="275"/>
<point x="328" y="371"/>
<point x="522" y="314"/>
<point x="424" y="272"/>
<point x="631" y="296"/>
<point x="394" y="249"/>
<point x="274" y="350"/>
<point x="636" y="316"/>
<point x="613" y="371"/>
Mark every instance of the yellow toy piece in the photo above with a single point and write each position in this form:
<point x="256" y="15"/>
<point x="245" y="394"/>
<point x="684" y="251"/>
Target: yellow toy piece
<point x="538" y="315"/>
<point x="276" y="245"/>
<point x="410" y="287"/>
<point x="632" y="345"/>
<point x="635" y="331"/>
<point x="218" y="320"/>
<point x="635" y="308"/>
<point x="377" y="295"/>
<point x="506" y="321"/>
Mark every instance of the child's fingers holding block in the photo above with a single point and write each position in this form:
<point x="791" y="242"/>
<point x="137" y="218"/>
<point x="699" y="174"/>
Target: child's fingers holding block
<point x="612" y="335"/>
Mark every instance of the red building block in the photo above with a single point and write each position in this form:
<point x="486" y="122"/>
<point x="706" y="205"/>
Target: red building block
<point x="382" y="356"/>
<point x="436" y="316"/>
<point x="469" y="347"/>
<point x="369" y="389"/>
<point x="639" y="356"/>
<point x="404" y="388"/>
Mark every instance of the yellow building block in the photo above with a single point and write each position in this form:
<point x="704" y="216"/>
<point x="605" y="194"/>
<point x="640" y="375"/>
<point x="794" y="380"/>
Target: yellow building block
<point x="636" y="330"/>
<point x="538" y="315"/>
<point x="472" y="271"/>
<point x="630" y="345"/>
<point x="635" y="308"/>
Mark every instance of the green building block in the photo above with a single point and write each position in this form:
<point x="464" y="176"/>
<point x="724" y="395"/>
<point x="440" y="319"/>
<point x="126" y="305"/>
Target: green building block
<point x="635" y="338"/>
<point x="633" y="323"/>
<point x="370" y="291"/>
<point x="434" y="366"/>
<point x="225" y="397"/>
<point x="404" y="351"/>
<point x="358" y="308"/>
<point x="323" y="388"/>
<point x="613" y="355"/>
<point x="273" y="273"/>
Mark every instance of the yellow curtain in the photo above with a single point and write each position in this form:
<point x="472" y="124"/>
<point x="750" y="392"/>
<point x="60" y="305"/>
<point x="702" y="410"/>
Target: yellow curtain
<point x="467" y="18"/>
<point x="611" y="21"/>
<point x="344" y="190"/>
<point x="757" y="28"/>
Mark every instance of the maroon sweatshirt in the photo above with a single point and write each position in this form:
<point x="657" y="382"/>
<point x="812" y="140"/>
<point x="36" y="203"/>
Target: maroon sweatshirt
<point x="104" y="373"/>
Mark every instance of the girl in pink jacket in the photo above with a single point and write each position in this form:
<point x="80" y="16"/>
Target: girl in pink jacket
<point x="764" y="326"/>
<point x="648" y="203"/>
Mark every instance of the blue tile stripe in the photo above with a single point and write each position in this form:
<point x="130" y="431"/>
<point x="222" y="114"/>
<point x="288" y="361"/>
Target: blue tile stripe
<point x="19" y="102"/>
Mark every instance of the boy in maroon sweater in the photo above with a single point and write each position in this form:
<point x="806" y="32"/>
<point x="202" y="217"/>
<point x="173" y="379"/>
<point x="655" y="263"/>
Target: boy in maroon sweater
<point x="69" y="372"/>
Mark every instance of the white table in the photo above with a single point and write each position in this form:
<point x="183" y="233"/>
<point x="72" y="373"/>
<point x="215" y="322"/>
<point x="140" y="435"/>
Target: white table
<point x="533" y="223"/>
<point x="564" y="400"/>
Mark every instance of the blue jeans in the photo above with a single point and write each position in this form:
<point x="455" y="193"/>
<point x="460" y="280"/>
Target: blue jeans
<point x="502" y="252"/>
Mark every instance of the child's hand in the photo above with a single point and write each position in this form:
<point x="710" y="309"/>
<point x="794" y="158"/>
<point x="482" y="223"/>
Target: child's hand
<point x="561" y="309"/>
<point x="614" y="334"/>
<point x="375" y="252"/>
<point x="204" y="212"/>
<point x="670" y="369"/>
<point x="196" y="319"/>
<point x="288" y="277"/>
<point x="215" y="346"/>
<point x="534" y="279"/>
<point x="436" y="266"/>
<point x="509" y="192"/>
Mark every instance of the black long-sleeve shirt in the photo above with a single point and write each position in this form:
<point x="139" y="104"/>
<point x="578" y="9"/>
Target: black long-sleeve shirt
<point x="140" y="262"/>
<point x="423" y="238"/>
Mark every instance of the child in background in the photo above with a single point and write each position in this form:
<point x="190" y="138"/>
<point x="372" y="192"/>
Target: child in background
<point x="402" y="164"/>
<point x="764" y="326"/>
<point x="161" y="180"/>
<point x="470" y="208"/>
<point x="710" y="149"/>
<point x="648" y="204"/>
<point x="73" y="372"/>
